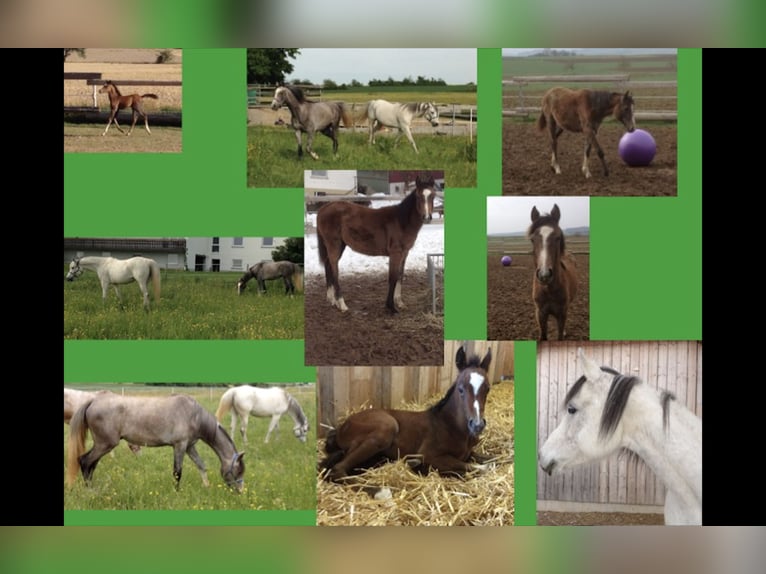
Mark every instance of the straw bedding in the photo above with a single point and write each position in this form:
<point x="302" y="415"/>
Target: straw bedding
<point x="481" y="498"/>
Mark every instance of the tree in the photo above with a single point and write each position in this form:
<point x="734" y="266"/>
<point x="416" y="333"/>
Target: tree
<point x="292" y="250"/>
<point x="79" y="51"/>
<point x="269" y="65"/>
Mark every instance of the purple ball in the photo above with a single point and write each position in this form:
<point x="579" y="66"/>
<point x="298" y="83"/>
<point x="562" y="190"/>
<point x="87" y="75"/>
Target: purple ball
<point x="506" y="260"/>
<point x="637" y="148"/>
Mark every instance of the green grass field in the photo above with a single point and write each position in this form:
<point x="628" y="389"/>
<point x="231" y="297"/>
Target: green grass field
<point x="279" y="475"/>
<point x="192" y="306"/>
<point x="272" y="157"/>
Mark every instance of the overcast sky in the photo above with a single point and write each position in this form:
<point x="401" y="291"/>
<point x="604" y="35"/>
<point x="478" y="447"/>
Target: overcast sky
<point x="453" y="65"/>
<point x="513" y="214"/>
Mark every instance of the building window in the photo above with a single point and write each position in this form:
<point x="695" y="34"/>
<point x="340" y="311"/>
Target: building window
<point x="267" y="242"/>
<point x="216" y="245"/>
<point x="319" y="174"/>
<point x="237" y="242"/>
<point x="236" y="264"/>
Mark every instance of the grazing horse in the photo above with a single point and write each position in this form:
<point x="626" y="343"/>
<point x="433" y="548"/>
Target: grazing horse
<point x="273" y="402"/>
<point x="119" y="102"/>
<point x="177" y="420"/>
<point x="382" y="113"/>
<point x="607" y="412"/>
<point x="266" y="270"/>
<point x="583" y="111"/>
<point x="310" y="117"/>
<point x="117" y="272"/>
<point x="390" y="230"/>
<point x="441" y="438"/>
<point x="74" y="399"/>
<point x="555" y="280"/>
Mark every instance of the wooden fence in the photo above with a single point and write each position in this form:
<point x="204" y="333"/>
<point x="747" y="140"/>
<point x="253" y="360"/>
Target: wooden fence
<point x="342" y="390"/>
<point x="620" y="480"/>
<point x="529" y="90"/>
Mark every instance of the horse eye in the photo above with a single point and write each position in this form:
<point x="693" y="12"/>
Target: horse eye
<point x="571" y="410"/>
<point x="461" y="390"/>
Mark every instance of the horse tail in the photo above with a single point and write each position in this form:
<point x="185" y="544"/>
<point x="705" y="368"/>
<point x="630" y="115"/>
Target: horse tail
<point x="224" y="406"/>
<point x="152" y="96"/>
<point x="155" y="273"/>
<point x="541" y="121"/>
<point x="78" y="428"/>
<point x="359" y="113"/>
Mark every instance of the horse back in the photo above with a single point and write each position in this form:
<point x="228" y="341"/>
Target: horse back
<point x="568" y="108"/>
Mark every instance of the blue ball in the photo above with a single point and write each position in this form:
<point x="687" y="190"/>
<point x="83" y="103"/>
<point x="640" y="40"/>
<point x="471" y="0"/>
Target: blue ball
<point x="637" y="148"/>
<point x="506" y="260"/>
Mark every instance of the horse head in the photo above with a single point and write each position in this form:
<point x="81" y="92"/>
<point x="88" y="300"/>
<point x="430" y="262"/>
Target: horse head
<point x="432" y="114"/>
<point x="74" y="270"/>
<point x="548" y="243"/>
<point x="425" y="188"/>
<point x="623" y="111"/>
<point x="472" y="388"/>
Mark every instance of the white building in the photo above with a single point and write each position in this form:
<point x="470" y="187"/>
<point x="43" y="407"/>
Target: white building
<point x="229" y="253"/>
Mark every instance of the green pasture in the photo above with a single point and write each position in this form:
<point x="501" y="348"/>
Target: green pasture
<point x="272" y="156"/>
<point x="192" y="306"/>
<point x="279" y="475"/>
<point x="640" y="68"/>
<point x="443" y="95"/>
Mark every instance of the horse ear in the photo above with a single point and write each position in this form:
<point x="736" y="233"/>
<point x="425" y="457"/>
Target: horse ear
<point x="486" y="360"/>
<point x="590" y="369"/>
<point x="535" y="214"/>
<point x="460" y="358"/>
<point x="555" y="212"/>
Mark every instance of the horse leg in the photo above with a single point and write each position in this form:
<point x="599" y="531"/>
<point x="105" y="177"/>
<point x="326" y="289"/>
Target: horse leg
<point x="561" y="320"/>
<point x="142" y="113"/>
<point x="274" y="424"/>
<point x="395" y="266"/>
<point x="178" y="462"/>
<point x="113" y="118"/>
<point x="362" y="451"/>
<point x="242" y="427"/>
<point x="261" y="286"/>
<point x="408" y="133"/>
<point x="310" y="143"/>
<point x="300" y="143"/>
<point x="145" y="292"/>
<point x="90" y="459"/>
<point x="542" y="322"/>
<point x="197" y="459"/>
<point x="554" y="132"/>
<point x="331" y="276"/>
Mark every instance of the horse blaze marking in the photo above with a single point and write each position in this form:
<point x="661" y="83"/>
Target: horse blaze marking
<point x="477" y="381"/>
<point x="545" y="234"/>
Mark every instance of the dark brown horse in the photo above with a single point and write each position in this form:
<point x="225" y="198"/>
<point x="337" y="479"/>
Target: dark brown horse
<point x="119" y="102"/>
<point x="440" y="438"/>
<point x="388" y="231"/>
<point x="555" y="282"/>
<point x="583" y="111"/>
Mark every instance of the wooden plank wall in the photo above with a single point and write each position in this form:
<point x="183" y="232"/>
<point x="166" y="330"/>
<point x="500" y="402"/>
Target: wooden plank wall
<point x="342" y="390"/>
<point x="672" y="365"/>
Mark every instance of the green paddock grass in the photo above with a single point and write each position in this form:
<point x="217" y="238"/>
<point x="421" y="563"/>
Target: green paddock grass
<point x="272" y="157"/>
<point x="192" y="306"/>
<point x="279" y="475"/>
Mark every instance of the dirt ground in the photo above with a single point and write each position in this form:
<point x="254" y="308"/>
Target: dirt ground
<point x="511" y="310"/>
<point x="597" y="518"/>
<point x="367" y="334"/>
<point x="527" y="171"/>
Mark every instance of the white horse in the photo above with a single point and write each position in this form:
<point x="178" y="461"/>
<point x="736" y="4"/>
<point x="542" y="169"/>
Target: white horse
<point x="273" y="402"/>
<point x="382" y="113"/>
<point x="117" y="272"/>
<point x="607" y="412"/>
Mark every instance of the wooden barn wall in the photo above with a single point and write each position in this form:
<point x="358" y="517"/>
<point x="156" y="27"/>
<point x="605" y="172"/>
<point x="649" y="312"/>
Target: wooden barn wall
<point x="342" y="390"/>
<point x="672" y="365"/>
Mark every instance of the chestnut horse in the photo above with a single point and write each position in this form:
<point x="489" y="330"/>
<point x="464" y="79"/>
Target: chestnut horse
<point x="119" y="102"/>
<point x="583" y="111"/>
<point x="442" y="437"/>
<point x="390" y="230"/>
<point x="555" y="281"/>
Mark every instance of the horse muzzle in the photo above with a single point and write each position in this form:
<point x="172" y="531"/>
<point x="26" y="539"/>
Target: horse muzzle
<point x="544" y="275"/>
<point x="475" y="427"/>
<point x="434" y="123"/>
<point x="548" y="469"/>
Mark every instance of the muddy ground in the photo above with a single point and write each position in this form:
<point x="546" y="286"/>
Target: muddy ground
<point x="367" y="334"/>
<point x="527" y="171"/>
<point x="511" y="310"/>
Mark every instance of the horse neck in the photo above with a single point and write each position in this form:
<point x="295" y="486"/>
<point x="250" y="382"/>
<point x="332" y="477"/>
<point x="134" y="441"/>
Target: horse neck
<point x="292" y="103"/>
<point x="92" y="262"/>
<point x="673" y="452"/>
<point x="408" y="212"/>
<point x="295" y="410"/>
<point x="217" y="439"/>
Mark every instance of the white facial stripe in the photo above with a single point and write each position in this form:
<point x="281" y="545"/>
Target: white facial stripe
<point x="545" y="233"/>
<point x="426" y="194"/>
<point x="477" y="381"/>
